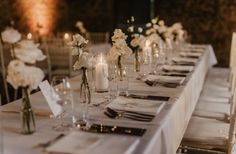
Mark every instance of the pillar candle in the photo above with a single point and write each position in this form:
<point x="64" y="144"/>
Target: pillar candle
<point x="101" y="75"/>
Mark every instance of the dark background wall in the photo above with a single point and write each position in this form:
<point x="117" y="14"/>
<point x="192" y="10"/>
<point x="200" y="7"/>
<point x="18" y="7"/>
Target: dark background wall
<point x="207" y="21"/>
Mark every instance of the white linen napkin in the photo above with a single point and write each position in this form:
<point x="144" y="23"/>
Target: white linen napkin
<point x="177" y="68"/>
<point x="190" y="54"/>
<point x="184" y="60"/>
<point x="152" y="107"/>
<point x="165" y="79"/>
<point x="77" y="142"/>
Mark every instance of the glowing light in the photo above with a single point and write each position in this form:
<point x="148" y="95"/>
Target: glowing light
<point x="39" y="15"/>
<point x="29" y="36"/>
<point x="66" y="36"/>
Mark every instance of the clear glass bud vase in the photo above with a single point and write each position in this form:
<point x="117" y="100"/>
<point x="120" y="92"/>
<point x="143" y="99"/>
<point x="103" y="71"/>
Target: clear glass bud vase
<point x="27" y="114"/>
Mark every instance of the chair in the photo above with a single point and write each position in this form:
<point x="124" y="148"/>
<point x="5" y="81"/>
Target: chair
<point x="215" y="105"/>
<point x="98" y="37"/>
<point x="3" y="72"/>
<point x="211" y="135"/>
<point x="60" y="57"/>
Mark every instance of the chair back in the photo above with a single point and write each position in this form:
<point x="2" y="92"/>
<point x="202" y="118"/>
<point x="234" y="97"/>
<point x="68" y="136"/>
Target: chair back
<point x="233" y="51"/>
<point x="3" y="72"/>
<point x="98" y="37"/>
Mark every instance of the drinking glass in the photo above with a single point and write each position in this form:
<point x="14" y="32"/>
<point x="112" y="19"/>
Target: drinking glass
<point x="79" y="110"/>
<point x="61" y="92"/>
<point x="123" y="83"/>
<point x="112" y="75"/>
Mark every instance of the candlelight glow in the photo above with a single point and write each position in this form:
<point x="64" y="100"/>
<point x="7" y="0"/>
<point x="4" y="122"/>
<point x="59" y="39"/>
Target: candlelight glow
<point x="29" y="36"/>
<point x="38" y="15"/>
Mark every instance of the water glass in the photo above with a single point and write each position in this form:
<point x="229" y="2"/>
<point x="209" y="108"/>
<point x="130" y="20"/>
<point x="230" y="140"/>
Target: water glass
<point x="79" y="110"/>
<point x="123" y="84"/>
<point x="61" y="92"/>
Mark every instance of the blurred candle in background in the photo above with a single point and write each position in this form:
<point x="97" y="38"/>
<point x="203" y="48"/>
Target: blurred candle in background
<point x="66" y="36"/>
<point x="29" y="36"/>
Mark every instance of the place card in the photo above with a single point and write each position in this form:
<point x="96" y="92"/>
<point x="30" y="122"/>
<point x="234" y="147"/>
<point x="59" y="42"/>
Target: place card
<point x="47" y="92"/>
<point x="78" y="142"/>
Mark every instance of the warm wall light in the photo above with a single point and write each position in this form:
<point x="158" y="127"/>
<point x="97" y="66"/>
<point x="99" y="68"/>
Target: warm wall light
<point x="39" y="15"/>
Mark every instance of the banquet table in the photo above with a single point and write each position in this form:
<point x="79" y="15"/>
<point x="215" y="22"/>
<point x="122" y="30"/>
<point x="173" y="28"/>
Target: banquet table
<point x="163" y="134"/>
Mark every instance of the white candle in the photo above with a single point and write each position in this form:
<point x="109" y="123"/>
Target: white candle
<point x="29" y="36"/>
<point x="101" y="75"/>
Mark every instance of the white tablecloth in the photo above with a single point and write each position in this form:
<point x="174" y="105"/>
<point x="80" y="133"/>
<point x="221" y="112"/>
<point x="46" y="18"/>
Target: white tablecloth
<point x="163" y="134"/>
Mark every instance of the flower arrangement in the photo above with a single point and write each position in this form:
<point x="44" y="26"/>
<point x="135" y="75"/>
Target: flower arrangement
<point x="119" y="50"/>
<point x="22" y="73"/>
<point x="84" y="62"/>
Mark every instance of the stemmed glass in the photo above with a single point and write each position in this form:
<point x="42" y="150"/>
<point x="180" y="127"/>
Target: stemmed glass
<point x="61" y="92"/>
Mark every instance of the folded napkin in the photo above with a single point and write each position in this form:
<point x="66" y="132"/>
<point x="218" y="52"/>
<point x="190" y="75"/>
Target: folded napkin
<point x="165" y="79"/>
<point x="77" y="142"/>
<point x="183" y="60"/>
<point x="178" y="68"/>
<point x="151" y="107"/>
<point x="191" y="54"/>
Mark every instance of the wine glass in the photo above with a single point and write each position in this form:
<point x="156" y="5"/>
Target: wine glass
<point x="61" y="92"/>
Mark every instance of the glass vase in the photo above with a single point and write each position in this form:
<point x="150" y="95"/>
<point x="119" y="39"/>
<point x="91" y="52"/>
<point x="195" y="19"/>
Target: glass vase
<point x="137" y="60"/>
<point x="85" y="100"/>
<point x="27" y="114"/>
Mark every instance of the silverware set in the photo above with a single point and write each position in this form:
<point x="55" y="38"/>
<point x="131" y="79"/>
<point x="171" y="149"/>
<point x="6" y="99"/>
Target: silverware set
<point x="116" y="114"/>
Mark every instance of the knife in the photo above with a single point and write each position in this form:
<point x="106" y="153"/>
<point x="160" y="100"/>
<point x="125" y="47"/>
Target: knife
<point x="148" y="97"/>
<point x="113" y="129"/>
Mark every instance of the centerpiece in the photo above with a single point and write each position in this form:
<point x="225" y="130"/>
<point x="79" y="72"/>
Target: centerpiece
<point x="84" y="62"/>
<point x="21" y="73"/>
<point x="118" y="51"/>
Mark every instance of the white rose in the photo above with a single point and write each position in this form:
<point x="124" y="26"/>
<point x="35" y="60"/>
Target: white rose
<point x="85" y="60"/>
<point x="131" y="29"/>
<point x="154" y="21"/>
<point x="20" y="75"/>
<point x="161" y="23"/>
<point x="10" y="35"/>
<point x="148" y="25"/>
<point x="78" y="40"/>
<point x="140" y="29"/>
<point x="33" y="76"/>
<point x="15" y="72"/>
<point x="28" y="51"/>
<point x="118" y="34"/>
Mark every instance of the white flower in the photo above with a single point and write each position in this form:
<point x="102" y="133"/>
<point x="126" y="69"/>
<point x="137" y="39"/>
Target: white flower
<point x="28" y="51"/>
<point x="154" y="20"/>
<point x="177" y="26"/>
<point x="161" y="23"/>
<point x="154" y="38"/>
<point x="138" y="40"/>
<point x="80" y="26"/>
<point x="77" y="43"/>
<point x="85" y="60"/>
<point x="10" y="35"/>
<point x="119" y="48"/>
<point x="21" y="75"/>
<point x="140" y="29"/>
<point x="118" y="34"/>
<point x="131" y="29"/>
<point x="148" y="25"/>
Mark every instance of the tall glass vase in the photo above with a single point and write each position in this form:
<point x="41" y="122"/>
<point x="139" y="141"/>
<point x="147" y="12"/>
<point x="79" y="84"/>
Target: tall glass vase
<point x="85" y="100"/>
<point x="137" y="60"/>
<point x="27" y="114"/>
